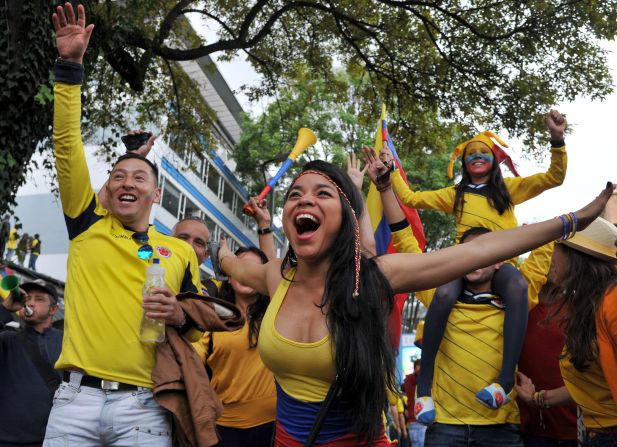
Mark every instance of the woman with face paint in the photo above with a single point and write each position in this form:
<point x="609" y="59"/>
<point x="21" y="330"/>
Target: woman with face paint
<point x="325" y="327"/>
<point x="483" y="198"/>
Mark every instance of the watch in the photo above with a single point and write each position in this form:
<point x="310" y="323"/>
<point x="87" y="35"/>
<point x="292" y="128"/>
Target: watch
<point x="262" y="231"/>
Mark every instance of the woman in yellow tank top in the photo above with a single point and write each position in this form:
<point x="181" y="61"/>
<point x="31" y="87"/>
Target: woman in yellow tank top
<point x="329" y="307"/>
<point x="237" y="374"/>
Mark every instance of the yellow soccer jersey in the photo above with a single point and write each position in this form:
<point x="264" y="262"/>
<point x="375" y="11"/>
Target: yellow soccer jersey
<point x="103" y="298"/>
<point x="11" y="243"/>
<point x="471" y="352"/>
<point x="477" y="211"/>
<point x="239" y="378"/>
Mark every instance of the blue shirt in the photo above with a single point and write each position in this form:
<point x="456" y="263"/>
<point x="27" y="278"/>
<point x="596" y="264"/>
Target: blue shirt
<point x="25" y="398"/>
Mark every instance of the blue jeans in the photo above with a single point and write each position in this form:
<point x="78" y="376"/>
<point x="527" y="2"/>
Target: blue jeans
<point x="82" y="416"/>
<point x="416" y="434"/>
<point x="595" y="438"/>
<point x="498" y="435"/>
<point x="540" y="441"/>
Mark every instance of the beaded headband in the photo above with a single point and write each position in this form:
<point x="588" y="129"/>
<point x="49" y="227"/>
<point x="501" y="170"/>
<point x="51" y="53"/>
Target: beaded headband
<point x="356" y="229"/>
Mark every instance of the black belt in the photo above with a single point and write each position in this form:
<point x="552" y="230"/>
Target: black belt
<point x="101" y="384"/>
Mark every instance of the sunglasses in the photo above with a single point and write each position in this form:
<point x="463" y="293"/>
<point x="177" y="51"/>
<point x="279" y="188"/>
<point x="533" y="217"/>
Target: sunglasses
<point x="144" y="252"/>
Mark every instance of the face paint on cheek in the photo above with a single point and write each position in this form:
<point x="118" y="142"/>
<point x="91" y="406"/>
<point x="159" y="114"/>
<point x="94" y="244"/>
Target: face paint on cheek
<point x="478" y="156"/>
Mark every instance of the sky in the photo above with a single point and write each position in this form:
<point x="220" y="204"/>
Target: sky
<point x="592" y="150"/>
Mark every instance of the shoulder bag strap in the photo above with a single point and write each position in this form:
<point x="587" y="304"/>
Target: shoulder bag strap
<point x="323" y="411"/>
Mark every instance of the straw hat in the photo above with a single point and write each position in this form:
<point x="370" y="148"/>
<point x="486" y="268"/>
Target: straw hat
<point x="597" y="240"/>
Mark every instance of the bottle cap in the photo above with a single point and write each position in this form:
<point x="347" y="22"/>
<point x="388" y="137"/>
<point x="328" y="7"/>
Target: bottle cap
<point x="156" y="261"/>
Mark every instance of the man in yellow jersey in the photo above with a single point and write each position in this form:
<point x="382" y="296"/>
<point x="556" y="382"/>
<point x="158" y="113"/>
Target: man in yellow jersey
<point x="106" y="396"/>
<point x="470" y="355"/>
<point x="11" y="244"/>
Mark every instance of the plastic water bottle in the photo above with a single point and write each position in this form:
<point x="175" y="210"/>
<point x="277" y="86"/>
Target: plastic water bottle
<point x="153" y="331"/>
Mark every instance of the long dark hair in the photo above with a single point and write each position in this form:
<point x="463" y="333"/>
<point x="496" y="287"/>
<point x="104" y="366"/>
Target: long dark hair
<point x="255" y="311"/>
<point x="364" y="357"/>
<point x="498" y="195"/>
<point x="588" y="279"/>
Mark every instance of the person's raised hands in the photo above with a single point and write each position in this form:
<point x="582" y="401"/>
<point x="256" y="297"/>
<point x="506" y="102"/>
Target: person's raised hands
<point x="354" y="172"/>
<point x="376" y="168"/>
<point x="556" y="123"/>
<point x="262" y="215"/>
<point x="72" y="34"/>
<point x="144" y="149"/>
<point x="593" y="209"/>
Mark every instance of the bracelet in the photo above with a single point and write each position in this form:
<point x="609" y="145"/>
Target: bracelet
<point x="539" y="399"/>
<point x="384" y="187"/>
<point x="570" y="226"/>
<point x="262" y="231"/>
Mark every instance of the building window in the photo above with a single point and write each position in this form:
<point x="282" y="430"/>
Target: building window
<point x="228" y="195"/>
<point x="204" y="172"/>
<point x="190" y="209"/>
<point x="213" y="181"/>
<point x="171" y="199"/>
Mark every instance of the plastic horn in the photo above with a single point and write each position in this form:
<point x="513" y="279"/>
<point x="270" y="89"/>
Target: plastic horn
<point x="28" y="312"/>
<point x="11" y="283"/>
<point x="306" y="138"/>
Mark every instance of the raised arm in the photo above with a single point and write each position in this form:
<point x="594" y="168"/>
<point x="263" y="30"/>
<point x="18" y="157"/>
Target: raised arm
<point x="525" y="188"/>
<point x="367" y="237"/>
<point x="264" y="278"/>
<point x="440" y="199"/>
<point x="72" y="37"/>
<point x="412" y="272"/>
<point x="264" y="227"/>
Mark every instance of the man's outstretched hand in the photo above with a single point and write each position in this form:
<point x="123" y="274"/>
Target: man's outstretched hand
<point x="72" y="35"/>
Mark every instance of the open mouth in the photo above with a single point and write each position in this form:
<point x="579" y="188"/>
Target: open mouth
<point x="128" y="198"/>
<point x="306" y="224"/>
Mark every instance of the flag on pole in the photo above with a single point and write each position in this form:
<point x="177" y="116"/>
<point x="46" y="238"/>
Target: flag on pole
<point x="381" y="230"/>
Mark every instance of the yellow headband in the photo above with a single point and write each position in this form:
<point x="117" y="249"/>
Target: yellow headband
<point x="487" y="138"/>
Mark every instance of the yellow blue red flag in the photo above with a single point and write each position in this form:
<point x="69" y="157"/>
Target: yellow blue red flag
<point x="383" y="238"/>
<point x="381" y="230"/>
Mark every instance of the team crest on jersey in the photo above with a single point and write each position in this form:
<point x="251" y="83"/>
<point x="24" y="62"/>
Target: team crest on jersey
<point x="163" y="252"/>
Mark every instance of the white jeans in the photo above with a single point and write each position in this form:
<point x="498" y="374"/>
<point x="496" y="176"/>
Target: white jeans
<point x="84" y="416"/>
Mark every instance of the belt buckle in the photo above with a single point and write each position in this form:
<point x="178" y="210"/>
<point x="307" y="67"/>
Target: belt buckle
<point x="109" y="385"/>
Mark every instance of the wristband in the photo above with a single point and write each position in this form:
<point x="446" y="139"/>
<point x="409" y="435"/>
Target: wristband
<point x="262" y="231"/>
<point x="558" y="143"/>
<point x="68" y="72"/>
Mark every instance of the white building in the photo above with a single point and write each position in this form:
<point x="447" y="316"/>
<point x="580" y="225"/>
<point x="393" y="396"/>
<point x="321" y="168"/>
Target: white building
<point x="197" y="186"/>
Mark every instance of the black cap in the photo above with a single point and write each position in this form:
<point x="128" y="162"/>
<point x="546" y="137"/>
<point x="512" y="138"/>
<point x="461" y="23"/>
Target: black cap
<point x="42" y="285"/>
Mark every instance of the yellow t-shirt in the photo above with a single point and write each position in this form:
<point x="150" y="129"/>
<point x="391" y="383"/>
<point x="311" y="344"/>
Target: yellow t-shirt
<point x="11" y="244"/>
<point x="471" y="352"/>
<point x="477" y="212"/>
<point x="239" y="377"/>
<point x="35" y="247"/>
<point x="103" y="293"/>
<point x="309" y="376"/>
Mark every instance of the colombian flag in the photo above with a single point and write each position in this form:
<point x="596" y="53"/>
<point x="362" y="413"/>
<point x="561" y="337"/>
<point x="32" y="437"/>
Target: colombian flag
<point x="383" y="238"/>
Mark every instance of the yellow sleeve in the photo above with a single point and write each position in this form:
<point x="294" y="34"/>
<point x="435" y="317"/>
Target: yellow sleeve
<point x="392" y="398"/>
<point x="76" y="193"/>
<point x="440" y="199"/>
<point x="201" y="347"/>
<point x="535" y="270"/>
<point x="400" y="406"/>
<point x="525" y="188"/>
<point x="404" y="241"/>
